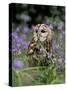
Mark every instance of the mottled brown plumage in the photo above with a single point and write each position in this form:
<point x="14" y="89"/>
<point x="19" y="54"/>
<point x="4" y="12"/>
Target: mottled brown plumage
<point x="42" y="39"/>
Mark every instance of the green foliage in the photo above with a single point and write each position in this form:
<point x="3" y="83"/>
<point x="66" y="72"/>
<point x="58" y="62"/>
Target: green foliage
<point x="37" y="76"/>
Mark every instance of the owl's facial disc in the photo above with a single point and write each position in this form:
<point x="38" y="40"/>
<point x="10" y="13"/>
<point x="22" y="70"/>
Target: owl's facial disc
<point x="40" y="33"/>
<point x="43" y="35"/>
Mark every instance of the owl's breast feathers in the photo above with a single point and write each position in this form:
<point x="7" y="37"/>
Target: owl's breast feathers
<point x="33" y="47"/>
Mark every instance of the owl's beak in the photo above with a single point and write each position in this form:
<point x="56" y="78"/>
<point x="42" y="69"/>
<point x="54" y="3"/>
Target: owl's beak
<point x="38" y="35"/>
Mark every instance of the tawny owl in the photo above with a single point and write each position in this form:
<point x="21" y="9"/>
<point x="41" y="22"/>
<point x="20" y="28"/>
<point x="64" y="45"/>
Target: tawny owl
<point x="40" y="49"/>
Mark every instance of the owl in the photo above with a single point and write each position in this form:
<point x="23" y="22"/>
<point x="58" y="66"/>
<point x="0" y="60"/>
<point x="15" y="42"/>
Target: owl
<point x="40" y="49"/>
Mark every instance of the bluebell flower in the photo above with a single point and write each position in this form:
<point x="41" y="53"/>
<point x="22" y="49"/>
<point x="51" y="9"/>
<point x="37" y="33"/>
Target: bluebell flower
<point x="18" y="64"/>
<point x="26" y="29"/>
<point x="47" y="21"/>
<point x="17" y="29"/>
<point x="54" y="44"/>
<point x="60" y="27"/>
<point x="14" y="49"/>
<point x="15" y="35"/>
<point x="51" y="26"/>
<point x="26" y="45"/>
<point x="57" y="50"/>
<point x="19" y="42"/>
<point x="33" y="26"/>
<point x="23" y="37"/>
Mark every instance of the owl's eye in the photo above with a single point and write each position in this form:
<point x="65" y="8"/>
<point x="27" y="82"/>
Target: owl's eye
<point x="36" y="31"/>
<point x="43" y="31"/>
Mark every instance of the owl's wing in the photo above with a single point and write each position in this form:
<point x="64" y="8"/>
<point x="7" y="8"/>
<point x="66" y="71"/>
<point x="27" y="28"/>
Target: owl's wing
<point x="33" y="53"/>
<point x="32" y="47"/>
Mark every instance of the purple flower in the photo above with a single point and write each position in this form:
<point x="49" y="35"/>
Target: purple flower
<point x="54" y="44"/>
<point x="51" y="26"/>
<point x="17" y="29"/>
<point x="60" y="27"/>
<point x="26" y="45"/>
<point x="23" y="37"/>
<point x="47" y="21"/>
<point x="14" y="49"/>
<point x="26" y="29"/>
<point x="33" y="26"/>
<point x="57" y="49"/>
<point x="15" y="35"/>
<point x="19" y="42"/>
<point x="18" y="64"/>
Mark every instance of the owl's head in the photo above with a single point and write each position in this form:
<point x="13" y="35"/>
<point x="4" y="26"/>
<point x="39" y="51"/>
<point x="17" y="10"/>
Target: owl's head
<point x="42" y="32"/>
